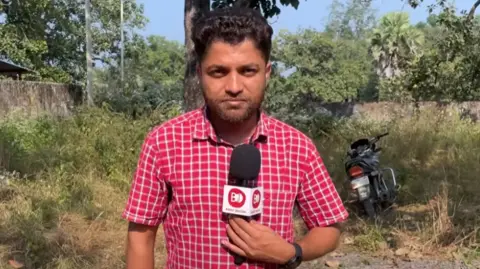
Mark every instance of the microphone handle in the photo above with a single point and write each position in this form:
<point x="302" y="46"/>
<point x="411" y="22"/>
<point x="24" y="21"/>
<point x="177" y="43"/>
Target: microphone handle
<point x="240" y="259"/>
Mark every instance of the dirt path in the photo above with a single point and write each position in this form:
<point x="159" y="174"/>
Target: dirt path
<point x="356" y="260"/>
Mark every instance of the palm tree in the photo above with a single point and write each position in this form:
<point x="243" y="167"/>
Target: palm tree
<point x="394" y="42"/>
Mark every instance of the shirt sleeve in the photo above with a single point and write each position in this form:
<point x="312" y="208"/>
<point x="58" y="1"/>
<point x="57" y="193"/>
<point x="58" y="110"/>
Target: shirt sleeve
<point x="147" y="200"/>
<point x="319" y="202"/>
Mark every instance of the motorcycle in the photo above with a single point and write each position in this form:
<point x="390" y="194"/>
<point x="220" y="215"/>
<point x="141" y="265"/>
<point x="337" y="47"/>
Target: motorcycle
<point x="368" y="186"/>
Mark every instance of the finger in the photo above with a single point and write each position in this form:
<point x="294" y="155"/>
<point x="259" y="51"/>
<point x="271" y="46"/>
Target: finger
<point x="244" y="226"/>
<point x="234" y="248"/>
<point x="236" y="239"/>
<point x="240" y="231"/>
<point x="259" y="226"/>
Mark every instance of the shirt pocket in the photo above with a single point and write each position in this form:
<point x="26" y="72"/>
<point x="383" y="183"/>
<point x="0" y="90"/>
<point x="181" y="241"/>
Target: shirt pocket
<point x="282" y="192"/>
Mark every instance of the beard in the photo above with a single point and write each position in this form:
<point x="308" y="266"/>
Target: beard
<point x="234" y="113"/>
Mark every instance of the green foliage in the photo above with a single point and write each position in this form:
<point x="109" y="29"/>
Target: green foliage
<point x="446" y="69"/>
<point x="333" y="70"/>
<point x="426" y="149"/>
<point x="311" y="67"/>
<point x="94" y="141"/>
<point x="394" y="44"/>
<point x="154" y="70"/>
<point x="49" y="36"/>
<point x="269" y="8"/>
<point x="352" y="19"/>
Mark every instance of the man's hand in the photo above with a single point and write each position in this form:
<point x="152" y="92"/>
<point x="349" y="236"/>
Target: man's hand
<point x="257" y="242"/>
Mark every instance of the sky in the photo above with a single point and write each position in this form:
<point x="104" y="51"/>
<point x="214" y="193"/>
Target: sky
<point x="167" y="19"/>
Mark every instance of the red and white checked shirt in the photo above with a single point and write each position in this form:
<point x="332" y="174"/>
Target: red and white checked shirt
<point x="184" y="153"/>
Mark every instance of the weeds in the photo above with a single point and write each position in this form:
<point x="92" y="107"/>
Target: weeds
<point x="435" y="155"/>
<point x="61" y="208"/>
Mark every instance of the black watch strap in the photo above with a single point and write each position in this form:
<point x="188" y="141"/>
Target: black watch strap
<point x="296" y="260"/>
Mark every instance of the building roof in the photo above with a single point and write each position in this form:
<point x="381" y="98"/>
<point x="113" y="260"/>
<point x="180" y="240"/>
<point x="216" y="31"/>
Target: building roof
<point x="10" y="67"/>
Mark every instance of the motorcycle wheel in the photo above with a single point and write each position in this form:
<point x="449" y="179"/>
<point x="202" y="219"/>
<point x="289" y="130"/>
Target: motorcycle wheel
<point x="369" y="208"/>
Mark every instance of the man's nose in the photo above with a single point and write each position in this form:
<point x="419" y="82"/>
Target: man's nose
<point x="234" y="85"/>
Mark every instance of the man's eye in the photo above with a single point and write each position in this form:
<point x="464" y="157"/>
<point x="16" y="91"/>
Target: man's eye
<point x="217" y="73"/>
<point x="249" y="71"/>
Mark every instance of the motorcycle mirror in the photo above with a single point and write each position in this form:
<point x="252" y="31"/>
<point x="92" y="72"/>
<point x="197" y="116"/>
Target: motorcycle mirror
<point x="382" y="135"/>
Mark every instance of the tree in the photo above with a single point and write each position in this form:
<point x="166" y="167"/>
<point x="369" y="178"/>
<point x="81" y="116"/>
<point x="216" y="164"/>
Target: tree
<point x="394" y="43"/>
<point x="48" y="36"/>
<point x="192" y="94"/>
<point x="330" y="69"/>
<point x="154" y="66"/>
<point x="351" y="20"/>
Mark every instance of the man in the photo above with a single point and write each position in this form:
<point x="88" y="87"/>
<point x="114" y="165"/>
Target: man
<point x="184" y="165"/>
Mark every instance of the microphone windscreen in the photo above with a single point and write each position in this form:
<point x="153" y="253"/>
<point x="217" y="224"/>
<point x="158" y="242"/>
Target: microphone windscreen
<point x="245" y="162"/>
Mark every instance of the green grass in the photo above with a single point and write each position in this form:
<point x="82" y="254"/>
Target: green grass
<point x="54" y="213"/>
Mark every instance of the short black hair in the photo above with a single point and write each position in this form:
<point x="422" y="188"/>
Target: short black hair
<point x="232" y="25"/>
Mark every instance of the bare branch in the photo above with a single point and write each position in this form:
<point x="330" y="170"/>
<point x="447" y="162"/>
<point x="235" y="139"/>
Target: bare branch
<point x="471" y="14"/>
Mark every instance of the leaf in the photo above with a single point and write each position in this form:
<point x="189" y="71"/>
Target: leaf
<point x="293" y="3"/>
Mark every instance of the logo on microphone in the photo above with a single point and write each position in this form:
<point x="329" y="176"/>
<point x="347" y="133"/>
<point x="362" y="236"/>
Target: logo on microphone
<point x="256" y="197"/>
<point x="236" y="198"/>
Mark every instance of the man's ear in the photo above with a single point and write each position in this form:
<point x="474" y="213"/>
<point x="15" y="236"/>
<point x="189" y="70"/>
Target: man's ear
<point x="268" y="71"/>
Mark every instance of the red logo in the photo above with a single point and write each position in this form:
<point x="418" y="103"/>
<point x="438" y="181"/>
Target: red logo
<point x="256" y="198"/>
<point x="236" y="198"/>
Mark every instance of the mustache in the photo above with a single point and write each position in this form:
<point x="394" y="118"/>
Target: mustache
<point x="228" y="99"/>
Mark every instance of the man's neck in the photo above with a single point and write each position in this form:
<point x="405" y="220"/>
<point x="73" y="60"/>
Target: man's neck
<point x="234" y="133"/>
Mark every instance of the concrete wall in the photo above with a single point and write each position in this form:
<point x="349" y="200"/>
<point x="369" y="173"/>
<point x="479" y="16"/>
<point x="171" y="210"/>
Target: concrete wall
<point x="32" y="98"/>
<point x="386" y="110"/>
<point x="35" y="97"/>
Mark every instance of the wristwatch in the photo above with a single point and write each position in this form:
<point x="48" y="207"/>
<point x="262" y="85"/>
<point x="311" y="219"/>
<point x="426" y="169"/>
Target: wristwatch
<point x="296" y="260"/>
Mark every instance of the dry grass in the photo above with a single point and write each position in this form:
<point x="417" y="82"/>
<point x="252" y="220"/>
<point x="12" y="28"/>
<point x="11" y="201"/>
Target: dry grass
<point x="38" y="233"/>
<point x="62" y="207"/>
<point x="66" y="212"/>
<point x="413" y="231"/>
<point x="435" y="155"/>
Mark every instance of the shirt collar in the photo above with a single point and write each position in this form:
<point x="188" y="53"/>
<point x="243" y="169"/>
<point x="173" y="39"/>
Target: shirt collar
<point x="203" y="129"/>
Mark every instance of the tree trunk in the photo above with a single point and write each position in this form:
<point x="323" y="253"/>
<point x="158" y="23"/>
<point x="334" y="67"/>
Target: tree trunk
<point x="192" y="95"/>
<point x="471" y="14"/>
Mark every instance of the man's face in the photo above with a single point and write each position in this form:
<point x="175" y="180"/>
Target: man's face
<point x="233" y="79"/>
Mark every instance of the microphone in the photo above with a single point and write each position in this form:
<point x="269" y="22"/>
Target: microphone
<point x="241" y="196"/>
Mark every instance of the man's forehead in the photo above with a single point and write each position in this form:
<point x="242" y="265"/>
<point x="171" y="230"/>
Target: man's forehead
<point x="246" y="45"/>
<point x="224" y="53"/>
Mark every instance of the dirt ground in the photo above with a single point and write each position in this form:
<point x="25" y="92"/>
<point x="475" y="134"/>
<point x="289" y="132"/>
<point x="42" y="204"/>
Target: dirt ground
<point x="354" y="260"/>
